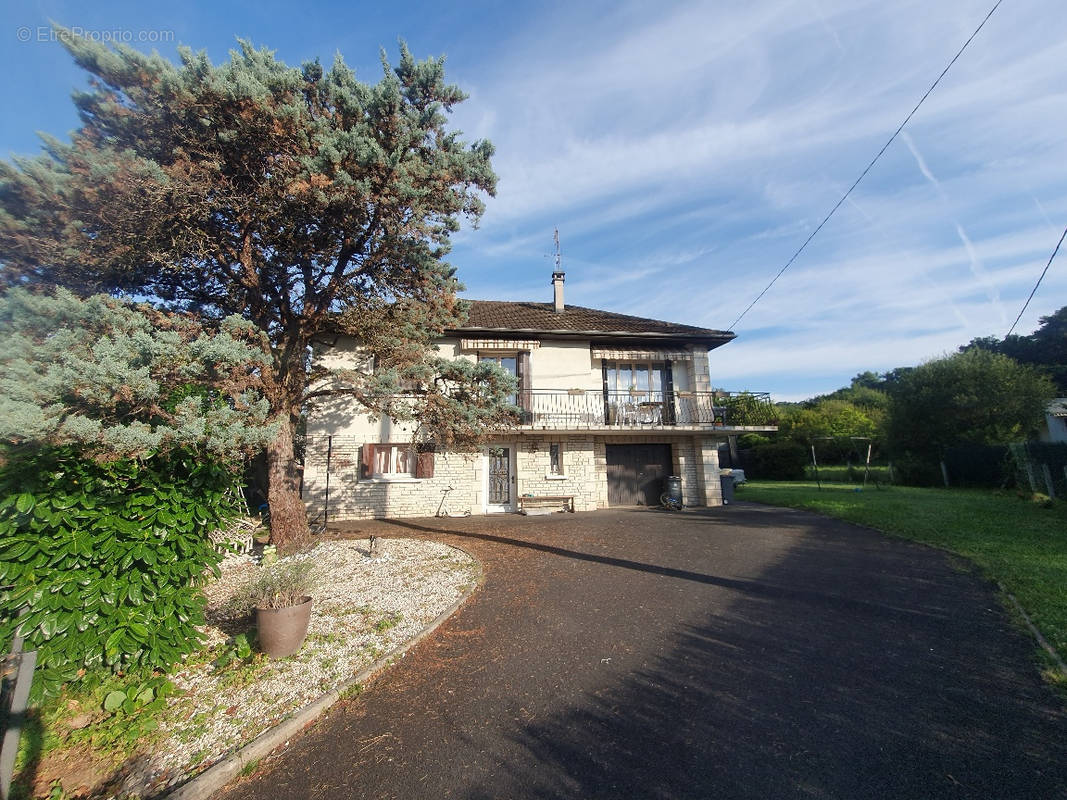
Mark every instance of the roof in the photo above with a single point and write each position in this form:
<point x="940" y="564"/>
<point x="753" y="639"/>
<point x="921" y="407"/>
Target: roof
<point x="1058" y="407"/>
<point x="501" y="316"/>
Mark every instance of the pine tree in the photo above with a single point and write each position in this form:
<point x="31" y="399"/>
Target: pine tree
<point x="301" y="199"/>
<point x="119" y="381"/>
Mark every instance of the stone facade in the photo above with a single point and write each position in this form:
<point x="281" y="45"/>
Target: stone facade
<point x="352" y="496"/>
<point x="579" y="476"/>
<point x="707" y="470"/>
<point x="339" y="431"/>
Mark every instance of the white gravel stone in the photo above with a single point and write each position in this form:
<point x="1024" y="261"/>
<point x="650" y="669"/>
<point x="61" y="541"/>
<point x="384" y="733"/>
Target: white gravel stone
<point x="362" y="609"/>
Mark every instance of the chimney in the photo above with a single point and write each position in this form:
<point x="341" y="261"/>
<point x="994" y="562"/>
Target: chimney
<point x="557" y="291"/>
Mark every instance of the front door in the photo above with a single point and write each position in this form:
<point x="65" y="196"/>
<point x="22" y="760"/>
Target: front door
<point x="500" y="478"/>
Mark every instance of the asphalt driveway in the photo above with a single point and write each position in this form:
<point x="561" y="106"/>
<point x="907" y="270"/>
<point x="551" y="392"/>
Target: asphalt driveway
<point x="743" y="652"/>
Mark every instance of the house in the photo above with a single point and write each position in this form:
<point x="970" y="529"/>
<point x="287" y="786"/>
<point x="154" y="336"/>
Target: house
<point x="611" y="405"/>
<point x="1055" y="422"/>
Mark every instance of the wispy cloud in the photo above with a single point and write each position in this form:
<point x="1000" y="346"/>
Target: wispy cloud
<point x="977" y="269"/>
<point x="711" y="140"/>
<point x="685" y="150"/>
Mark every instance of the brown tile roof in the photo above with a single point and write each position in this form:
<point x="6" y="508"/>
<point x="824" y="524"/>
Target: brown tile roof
<point x="500" y="315"/>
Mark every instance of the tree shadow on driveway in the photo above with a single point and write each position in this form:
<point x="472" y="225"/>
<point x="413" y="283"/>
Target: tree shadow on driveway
<point x="748" y="654"/>
<point x="796" y="691"/>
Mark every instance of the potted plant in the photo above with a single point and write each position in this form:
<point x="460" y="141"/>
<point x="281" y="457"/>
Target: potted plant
<point x="280" y="596"/>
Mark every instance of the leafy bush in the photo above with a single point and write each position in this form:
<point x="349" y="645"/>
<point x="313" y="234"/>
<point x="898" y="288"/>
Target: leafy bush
<point x="783" y="461"/>
<point x="749" y="440"/>
<point x="974" y="397"/>
<point x="979" y="465"/>
<point x="912" y="470"/>
<point x="107" y="558"/>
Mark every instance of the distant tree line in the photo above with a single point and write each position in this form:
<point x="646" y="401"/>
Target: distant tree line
<point x="992" y="392"/>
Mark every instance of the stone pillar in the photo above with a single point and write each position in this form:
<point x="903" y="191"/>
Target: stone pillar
<point x="701" y="375"/>
<point x="600" y="462"/>
<point x="685" y="457"/>
<point x="707" y="464"/>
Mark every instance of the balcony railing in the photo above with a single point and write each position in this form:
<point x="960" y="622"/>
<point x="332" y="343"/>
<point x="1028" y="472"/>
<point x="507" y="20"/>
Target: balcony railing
<point x="579" y="408"/>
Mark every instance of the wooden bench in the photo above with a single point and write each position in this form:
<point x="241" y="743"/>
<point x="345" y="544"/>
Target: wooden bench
<point x="564" y="501"/>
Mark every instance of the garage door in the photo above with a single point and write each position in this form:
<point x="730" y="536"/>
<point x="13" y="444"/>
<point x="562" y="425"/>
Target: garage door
<point x="636" y="473"/>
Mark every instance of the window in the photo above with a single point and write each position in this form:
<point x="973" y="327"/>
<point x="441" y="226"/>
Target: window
<point x="644" y="379"/>
<point x="637" y="392"/>
<point x="555" y="459"/>
<point x="392" y="461"/>
<point x="509" y="364"/>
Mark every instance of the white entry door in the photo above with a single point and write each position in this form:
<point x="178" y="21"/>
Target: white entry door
<point x="499" y="478"/>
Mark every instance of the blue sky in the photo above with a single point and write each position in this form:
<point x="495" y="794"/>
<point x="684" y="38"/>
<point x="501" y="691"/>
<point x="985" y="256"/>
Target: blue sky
<point x="685" y="150"/>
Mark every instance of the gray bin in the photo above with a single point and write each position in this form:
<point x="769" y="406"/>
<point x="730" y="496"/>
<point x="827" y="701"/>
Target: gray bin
<point x="727" y="484"/>
<point x="672" y="486"/>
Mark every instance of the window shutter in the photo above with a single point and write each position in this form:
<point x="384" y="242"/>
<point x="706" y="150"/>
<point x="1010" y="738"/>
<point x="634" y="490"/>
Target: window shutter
<point x="607" y="397"/>
<point x="523" y="368"/>
<point x="367" y="467"/>
<point x="668" y="399"/>
<point x="424" y="463"/>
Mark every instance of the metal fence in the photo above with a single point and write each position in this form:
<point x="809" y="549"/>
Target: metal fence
<point x="580" y="408"/>
<point x="1041" y="467"/>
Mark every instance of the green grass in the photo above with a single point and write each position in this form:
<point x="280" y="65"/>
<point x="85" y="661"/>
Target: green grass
<point x="1013" y="540"/>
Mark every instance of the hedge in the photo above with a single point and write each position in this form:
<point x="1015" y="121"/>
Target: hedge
<point x="107" y="558"/>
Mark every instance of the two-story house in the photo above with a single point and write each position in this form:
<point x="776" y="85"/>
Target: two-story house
<point x="610" y="405"/>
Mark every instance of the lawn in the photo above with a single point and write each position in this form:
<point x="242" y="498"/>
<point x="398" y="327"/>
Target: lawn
<point x="1013" y="540"/>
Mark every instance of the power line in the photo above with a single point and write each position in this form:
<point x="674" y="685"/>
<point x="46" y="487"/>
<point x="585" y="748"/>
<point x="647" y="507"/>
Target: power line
<point x="1031" y="297"/>
<point x="874" y="160"/>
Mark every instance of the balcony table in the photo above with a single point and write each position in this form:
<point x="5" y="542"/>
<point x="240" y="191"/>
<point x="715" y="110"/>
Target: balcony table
<point x="650" y="412"/>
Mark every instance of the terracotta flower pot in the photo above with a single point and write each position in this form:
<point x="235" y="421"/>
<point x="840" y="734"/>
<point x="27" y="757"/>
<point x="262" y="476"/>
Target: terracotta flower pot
<point x="282" y="630"/>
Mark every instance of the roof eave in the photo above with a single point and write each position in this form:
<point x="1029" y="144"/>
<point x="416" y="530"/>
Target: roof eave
<point x="712" y="339"/>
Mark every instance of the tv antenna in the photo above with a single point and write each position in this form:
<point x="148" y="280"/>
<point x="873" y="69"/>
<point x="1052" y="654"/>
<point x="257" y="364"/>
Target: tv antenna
<point x="557" y="257"/>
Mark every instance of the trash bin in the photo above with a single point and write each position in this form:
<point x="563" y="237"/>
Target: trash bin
<point x="727" y="484"/>
<point x="672" y="486"/>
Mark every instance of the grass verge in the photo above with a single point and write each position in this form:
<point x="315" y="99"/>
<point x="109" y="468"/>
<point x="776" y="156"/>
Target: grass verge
<point x="1015" y="541"/>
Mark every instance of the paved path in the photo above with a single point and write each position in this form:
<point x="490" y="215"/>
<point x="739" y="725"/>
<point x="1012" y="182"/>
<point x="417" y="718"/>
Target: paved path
<point x="744" y="652"/>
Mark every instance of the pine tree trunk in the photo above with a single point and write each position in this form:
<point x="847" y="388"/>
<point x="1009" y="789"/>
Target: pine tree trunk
<point x="288" y="516"/>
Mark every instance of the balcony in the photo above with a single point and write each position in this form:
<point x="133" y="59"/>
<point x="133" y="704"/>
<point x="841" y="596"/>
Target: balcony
<point x="580" y="409"/>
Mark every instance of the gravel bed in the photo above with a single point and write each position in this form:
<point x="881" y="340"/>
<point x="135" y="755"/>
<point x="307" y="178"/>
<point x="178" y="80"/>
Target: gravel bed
<point x="363" y="608"/>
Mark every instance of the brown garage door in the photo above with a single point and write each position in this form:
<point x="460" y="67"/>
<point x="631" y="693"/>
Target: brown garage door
<point x="636" y="473"/>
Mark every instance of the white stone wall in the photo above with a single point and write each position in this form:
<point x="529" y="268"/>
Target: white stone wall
<point x="352" y="497"/>
<point x="707" y="469"/>
<point x="555" y="365"/>
<point x="684" y="457"/>
<point x="563" y="365"/>
<point x="694" y="459"/>
<point x="579" y="469"/>
<point x="701" y="373"/>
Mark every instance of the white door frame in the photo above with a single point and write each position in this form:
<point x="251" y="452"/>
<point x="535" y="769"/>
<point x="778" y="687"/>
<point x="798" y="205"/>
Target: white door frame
<point x="497" y="508"/>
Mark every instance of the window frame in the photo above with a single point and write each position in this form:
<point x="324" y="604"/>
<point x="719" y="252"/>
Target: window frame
<point x="555" y="464"/>
<point x="650" y="365"/>
<point x="420" y="459"/>
<point x="394" y="457"/>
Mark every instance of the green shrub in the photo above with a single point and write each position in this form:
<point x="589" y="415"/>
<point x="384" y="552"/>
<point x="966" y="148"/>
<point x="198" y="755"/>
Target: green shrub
<point x="281" y="584"/>
<point x="911" y="470"/>
<point x="748" y="440"/>
<point x="783" y="461"/>
<point x="107" y="558"/>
